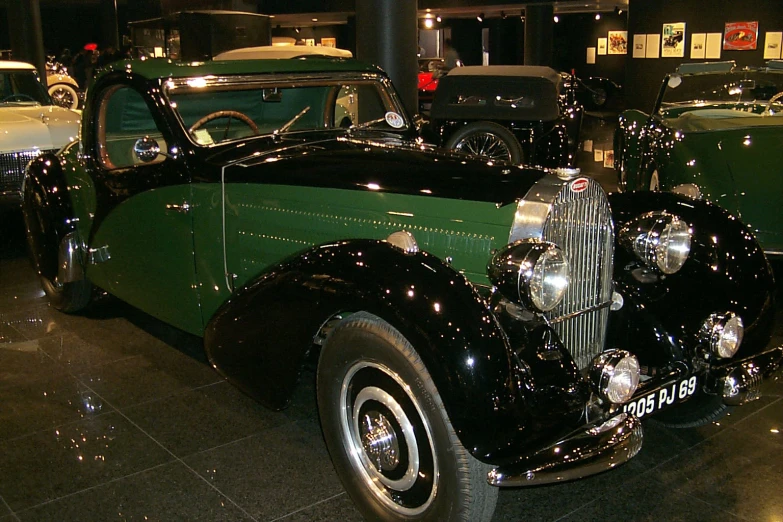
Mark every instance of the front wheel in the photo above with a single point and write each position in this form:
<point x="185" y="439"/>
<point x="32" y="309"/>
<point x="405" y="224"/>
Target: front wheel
<point x="67" y="297"/>
<point x="487" y="140"/>
<point x="64" y="95"/>
<point x="389" y="436"/>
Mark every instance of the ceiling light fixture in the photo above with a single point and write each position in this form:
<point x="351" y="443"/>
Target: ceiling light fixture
<point x="556" y="18"/>
<point x="428" y="23"/>
<point x="438" y="19"/>
<point x="597" y="16"/>
<point x="480" y="17"/>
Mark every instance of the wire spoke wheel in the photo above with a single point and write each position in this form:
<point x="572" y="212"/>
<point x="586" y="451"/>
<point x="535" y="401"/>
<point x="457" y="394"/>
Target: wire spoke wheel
<point x="486" y="145"/>
<point x="64" y="95"/>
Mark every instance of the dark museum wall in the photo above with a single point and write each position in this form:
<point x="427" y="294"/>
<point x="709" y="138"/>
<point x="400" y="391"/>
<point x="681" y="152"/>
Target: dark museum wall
<point x="643" y="76"/>
<point x="574" y="33"/>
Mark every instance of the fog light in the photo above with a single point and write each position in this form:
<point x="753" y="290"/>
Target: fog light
<point x="614" y="375"/>
<point x="723" y="332"/>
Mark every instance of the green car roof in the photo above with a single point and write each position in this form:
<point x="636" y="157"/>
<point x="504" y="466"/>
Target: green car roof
<point x="165" y="68"/>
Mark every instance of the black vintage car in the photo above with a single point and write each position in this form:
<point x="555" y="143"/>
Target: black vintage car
<point x="471" y="325"/>
<point x="515" y="114"/>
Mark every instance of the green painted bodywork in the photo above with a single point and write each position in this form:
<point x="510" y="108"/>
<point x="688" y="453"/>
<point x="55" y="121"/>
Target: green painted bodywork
<point x="155" y="253"/>
<point x="267" y="223"/>
<point x="734" y="159"/>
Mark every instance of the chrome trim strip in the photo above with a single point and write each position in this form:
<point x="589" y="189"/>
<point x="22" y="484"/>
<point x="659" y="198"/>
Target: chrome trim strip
<point x="594" y="448"/>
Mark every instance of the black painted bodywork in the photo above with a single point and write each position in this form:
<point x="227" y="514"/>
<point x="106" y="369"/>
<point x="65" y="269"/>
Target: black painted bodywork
<point x="48" y="212"/>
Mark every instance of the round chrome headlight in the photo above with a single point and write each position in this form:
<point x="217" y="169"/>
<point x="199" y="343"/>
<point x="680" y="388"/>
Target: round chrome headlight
<point x="549" y="279"/>
<point x="674" y="245"/>
<point x="614" y="375"/>
<point x="660" y="239"/>
<point x="723" y="332"/>
<point x="533" y="273"/>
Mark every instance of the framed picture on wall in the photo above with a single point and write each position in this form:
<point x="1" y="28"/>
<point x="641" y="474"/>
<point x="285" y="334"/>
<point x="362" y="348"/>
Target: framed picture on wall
<point x="329" y="42"/>
<point x="673" y="40"/>
<point x="741" y="36"/>
<point x="618" y="42"/>
<point x="602" y="42"/>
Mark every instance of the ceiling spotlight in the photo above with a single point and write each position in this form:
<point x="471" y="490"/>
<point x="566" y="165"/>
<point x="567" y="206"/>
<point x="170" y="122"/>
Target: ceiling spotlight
<point x="438" y="19"/>
<point x="296" y="29"/>
<point x="556" y="18"/>
<point x="617" y="10"/>
<point x="315" y="19"/>
<point x="502" y="15"/>
<point x="480" y="17"/>
<point x="597" y="16"/>
<point x="428" y="23"/>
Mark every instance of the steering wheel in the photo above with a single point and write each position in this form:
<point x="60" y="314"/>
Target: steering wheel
<point x="244" y="118"/>
<point x="13" y="97"/>
<point x="768" y="108"/>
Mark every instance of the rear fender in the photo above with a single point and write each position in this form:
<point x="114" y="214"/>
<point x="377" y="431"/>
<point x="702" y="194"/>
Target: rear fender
<point x="48" y="212"/>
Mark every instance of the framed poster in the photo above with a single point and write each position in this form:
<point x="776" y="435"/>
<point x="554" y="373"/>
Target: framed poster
<point x="741" y="36"/>
<point x="698" y="44"/>
<point x="602" y="46"/>
<point x="618" y="42"/>
<point x="329" y="42"/>
<point x="653" y="46"/>
<point x="673" y="40"/>
<point x="712" y="50"/>
<point x="591" y="55"/>
<point x="639" y="45"/>
<point x="772" y="46"/>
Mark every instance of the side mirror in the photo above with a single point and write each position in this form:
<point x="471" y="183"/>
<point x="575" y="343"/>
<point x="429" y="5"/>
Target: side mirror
<point x="146" y="149"/>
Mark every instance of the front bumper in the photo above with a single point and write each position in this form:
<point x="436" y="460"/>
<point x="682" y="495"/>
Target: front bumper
<point x="596" y="447"/>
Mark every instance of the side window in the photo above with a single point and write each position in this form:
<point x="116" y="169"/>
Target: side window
<point x="124" y="119"/>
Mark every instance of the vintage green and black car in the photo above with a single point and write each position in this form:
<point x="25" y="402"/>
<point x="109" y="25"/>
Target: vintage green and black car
<point x="518" y="114"/>
<point x="714" y="133"/>
<point x="471" y="325"/>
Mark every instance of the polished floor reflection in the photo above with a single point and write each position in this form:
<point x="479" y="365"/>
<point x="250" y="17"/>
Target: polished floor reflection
<point x="112" y="415"/>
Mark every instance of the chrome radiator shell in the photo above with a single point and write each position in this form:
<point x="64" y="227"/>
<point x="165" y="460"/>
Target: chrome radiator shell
<point x="574" y="214"/>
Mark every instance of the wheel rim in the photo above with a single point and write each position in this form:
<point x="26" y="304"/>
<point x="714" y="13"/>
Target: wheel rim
<point x="485" y="144"/>
<point x="599" y="97"/>
<point x="654" y="183"/>
<point x="388" y="439"/>
<point x="62" y="97"/>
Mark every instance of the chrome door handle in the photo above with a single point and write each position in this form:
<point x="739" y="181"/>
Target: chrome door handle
<point x="184" y="208"/>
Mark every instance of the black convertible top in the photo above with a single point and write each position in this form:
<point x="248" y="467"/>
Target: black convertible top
<point x="498" y="92"/>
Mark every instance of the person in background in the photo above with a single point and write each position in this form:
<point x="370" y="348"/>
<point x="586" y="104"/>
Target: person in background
<point x="450" y="56"/>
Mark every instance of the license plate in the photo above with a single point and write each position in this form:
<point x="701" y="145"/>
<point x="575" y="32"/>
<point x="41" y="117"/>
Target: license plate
<point x="660" y="399"/>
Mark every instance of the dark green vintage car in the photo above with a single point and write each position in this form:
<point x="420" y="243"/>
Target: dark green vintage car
<point x="715" y="133"/>
<point x="470" y="325"/>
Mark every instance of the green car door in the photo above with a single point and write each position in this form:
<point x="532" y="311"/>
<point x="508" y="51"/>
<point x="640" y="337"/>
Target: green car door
<point x="141" y="244"/>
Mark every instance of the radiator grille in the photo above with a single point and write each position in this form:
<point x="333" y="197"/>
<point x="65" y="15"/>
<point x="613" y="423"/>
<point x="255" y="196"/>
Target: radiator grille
<point x="580" y="224"/>
<point x="12" y="165"/>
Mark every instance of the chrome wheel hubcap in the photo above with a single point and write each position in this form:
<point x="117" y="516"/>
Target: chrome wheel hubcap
<point x="485" y="144"/>
<point x="387" y="438"/>
<point x="380" y="441"/>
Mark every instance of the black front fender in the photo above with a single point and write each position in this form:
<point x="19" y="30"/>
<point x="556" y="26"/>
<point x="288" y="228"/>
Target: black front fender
<point x="259" y="339"/>
<point x="725" y="271"/>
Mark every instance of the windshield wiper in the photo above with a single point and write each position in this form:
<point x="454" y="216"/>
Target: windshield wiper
<point x="287" y="125"/>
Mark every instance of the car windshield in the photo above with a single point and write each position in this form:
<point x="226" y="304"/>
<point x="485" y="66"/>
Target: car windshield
<point x="216" y="110"/>
<point x="749" y="91"/>
<point x="22" y="88"/>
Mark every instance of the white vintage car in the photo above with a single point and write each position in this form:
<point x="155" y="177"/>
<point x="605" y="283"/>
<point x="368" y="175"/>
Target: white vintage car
<point x="29" y="125"/>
